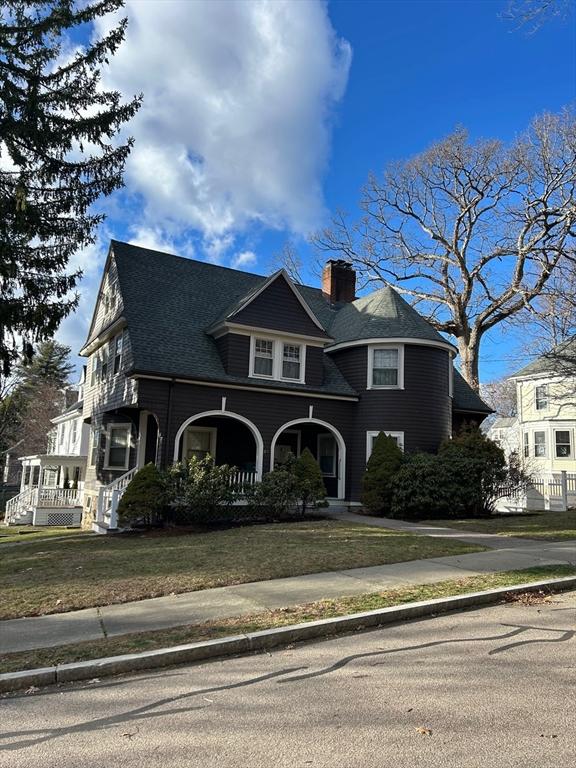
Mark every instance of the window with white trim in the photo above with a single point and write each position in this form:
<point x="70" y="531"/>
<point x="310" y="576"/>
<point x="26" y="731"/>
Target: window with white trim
<point x="526" y="445"/>
<point x="539" y="444"/>
<point x="277" y="359"/>
<point x="117" y="446"/>
<point x="541" y="397"/>
<point x="117" y="347"/>
<point x="199" y="442"/>
<point x="371" y="438"/>
<point x="563" y="444"/>
<point x="264" y="358"/>
<point x="386" y="367"/>
<point x="94" y="447"/>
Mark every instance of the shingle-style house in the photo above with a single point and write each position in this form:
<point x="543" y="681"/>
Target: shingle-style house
<point x="186" y="358"/>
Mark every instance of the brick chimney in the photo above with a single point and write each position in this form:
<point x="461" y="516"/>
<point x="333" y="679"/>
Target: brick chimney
<point x="338" y="281"/>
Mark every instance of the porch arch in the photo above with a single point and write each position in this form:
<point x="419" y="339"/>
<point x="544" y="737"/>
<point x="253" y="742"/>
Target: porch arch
<point x="339" y="440"/>
<point x="226" y="414"/>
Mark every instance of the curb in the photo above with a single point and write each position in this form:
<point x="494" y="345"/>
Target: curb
<point x="268" y="638"/>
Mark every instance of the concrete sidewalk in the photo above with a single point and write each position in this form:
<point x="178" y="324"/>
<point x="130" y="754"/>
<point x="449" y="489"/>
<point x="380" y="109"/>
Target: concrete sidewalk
<point x="223" y="602"/>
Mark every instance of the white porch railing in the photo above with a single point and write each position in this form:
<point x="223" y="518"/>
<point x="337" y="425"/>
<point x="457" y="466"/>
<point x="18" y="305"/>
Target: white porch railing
<point x="19" y="504"/>
<point x="31" y="499"/>
<point x="108" y="498"/>
<point x="59" y="497"/>
<point x="242" y="480"/>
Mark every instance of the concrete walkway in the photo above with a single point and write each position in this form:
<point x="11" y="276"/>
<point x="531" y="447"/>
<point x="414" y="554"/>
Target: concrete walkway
<point x="224" y="602"/>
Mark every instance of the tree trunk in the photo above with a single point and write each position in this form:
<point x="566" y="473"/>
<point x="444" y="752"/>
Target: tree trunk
<point x="469" y="355"/>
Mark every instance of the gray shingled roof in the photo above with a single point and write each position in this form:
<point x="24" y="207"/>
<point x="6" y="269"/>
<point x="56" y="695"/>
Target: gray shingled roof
<point x="467" y="399"/>
<point x="381" y="314"/>
<point x="560" y="358"/>
<point x="170" y="301"/>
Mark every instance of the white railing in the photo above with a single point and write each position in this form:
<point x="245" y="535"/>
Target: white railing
<point x="242" y="480"/>
<point x="59" y="497"/>
<point x="18" y="504"/>
<point x="108" y="498"/>
<point x="551" y="491"/>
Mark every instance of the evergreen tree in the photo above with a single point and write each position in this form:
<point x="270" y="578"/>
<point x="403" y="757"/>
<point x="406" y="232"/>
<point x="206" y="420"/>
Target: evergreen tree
<point x="383" y="464"/>
<point x="50" y="363"/>
<point x="309" y="481"/>
<point x="59" y="153"/>
<point x="144" y="498"/>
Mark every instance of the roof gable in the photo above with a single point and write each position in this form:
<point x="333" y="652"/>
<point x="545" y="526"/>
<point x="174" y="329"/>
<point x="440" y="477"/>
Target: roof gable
<point x="277" y="305"/>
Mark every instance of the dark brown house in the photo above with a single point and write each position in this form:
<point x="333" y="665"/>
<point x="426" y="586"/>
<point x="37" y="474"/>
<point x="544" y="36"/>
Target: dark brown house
<point x="187" y="358"/>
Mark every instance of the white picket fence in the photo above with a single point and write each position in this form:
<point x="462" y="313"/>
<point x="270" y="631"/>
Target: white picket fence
<point x="553" y="492"/>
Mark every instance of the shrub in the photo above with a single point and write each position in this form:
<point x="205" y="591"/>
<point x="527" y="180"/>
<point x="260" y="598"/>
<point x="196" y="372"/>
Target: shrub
<point x="383" y="464"/>
<point x="198" y="489"/>
<point x="309" y="482"/>
<point x="144" y="498"/>
<point x="277" y="494"/>
<point x="429" y="486"/>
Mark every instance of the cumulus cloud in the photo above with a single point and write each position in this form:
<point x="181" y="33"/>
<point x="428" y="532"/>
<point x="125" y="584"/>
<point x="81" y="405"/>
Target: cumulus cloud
<point x="244" y="259"/>
<point x="235" y="125"/>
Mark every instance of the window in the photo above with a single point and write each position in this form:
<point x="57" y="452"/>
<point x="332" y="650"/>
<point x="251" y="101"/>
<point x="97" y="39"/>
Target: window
<point x="291" y="362"/>
<point x="327" y="455"/>
<point x="199" y="442"/>
<point x="94" y="447"/>
<point x="73" y="435"/>
<point x="117" y="446"/>
<point x="541" y="397"/>
<point x="385" y="368"/>
<point x="118" y="344"/>
<point x="540" y="444"/>
<point x="526" y="445"/>
<point x="277" y="359"/>
<point x="563" y="444"/>
<point x="263" y="357"/>
<point x="371" y="438"/>
<point x="104" y="363"/>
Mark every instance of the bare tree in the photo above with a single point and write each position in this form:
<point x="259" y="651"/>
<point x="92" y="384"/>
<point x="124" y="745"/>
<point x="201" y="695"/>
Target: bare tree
<point x="533" y="14"/>
<point x="500" y="394"/>
<point x="470" y="232"/>
<point x="287" y="258"/>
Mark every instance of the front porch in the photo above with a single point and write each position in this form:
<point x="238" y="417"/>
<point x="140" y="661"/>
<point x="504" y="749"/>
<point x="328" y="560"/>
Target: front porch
<point x="51" y="491"/>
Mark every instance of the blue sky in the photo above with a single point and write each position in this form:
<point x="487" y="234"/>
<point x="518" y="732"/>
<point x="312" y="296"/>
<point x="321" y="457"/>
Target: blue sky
<point x="260" y="119"/>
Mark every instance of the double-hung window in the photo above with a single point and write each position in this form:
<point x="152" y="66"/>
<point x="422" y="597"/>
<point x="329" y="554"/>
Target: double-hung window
<point x="118" y="343"/>
<point x="117" y="446"/>
<point x="277" y="359"/>
<point x="264" y="358"/>
<point x="94" y="447"/>
<point x="563" y="443"/>
<point x="526" y="445"/>
<point x="541" y="393"/>
<point x="385" y="368"/>
<point x="539" y="444"/>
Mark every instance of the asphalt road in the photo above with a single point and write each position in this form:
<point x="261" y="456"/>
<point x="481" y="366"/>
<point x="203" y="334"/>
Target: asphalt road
<point x="488" y="688"/>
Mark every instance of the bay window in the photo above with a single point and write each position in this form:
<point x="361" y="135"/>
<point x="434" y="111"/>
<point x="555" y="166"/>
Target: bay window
<point x="563" y="443"/>
<point x="539" y="444"/>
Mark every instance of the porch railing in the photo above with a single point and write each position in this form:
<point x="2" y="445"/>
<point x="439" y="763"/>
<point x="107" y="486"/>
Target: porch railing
<point x="19" y="504"/>
<point x="59" y="497"/>
<point x="108" y="498"/>
<point x="31" y="498"/>
<point x="242" y="480"/>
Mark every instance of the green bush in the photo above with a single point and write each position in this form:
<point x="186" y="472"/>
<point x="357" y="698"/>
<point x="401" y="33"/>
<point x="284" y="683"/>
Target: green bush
<point x="278" y="493"/>
<point x="428" y="486"/>
<point x="309" y="481"/>
<point x="198" y="490"/>
<point x="144" y="499"/>
<point x="383" y="464"/>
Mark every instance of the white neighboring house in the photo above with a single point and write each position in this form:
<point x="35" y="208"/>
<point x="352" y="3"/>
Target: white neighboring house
<point x="504" y="430"/>
<point x="544" y="431"/>
<point x="52" y="484"/>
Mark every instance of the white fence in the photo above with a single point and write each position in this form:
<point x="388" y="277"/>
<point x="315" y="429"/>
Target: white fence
<point x="552" y="492"/>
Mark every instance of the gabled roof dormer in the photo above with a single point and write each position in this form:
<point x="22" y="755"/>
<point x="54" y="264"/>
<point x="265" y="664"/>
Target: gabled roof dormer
<point x="275" y="305"/>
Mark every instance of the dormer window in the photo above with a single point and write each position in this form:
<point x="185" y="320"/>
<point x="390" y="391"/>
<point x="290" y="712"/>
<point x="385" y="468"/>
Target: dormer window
<point x="272" y="358"/>
<point x="386" y="367"/>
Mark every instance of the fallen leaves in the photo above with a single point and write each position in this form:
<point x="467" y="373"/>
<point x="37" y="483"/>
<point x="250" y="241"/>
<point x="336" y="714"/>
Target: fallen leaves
<point x="423" y="730"/>
<point x="32" y="689"/>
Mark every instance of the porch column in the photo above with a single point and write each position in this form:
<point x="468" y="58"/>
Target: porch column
<point x="142" y="433"/>
<point x="40" y="479"/>
<point x="23" y="478"/>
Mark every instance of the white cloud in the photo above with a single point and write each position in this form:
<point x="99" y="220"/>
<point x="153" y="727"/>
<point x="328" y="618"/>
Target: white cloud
<point x="235" y="126"/>
<point x="244" y="259"/>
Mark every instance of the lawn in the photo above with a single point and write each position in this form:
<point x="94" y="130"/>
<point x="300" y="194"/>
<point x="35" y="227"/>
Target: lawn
<point x="9" y="535"/>
<point x="551" y="526"/>
<point x="324" y="609"/>
<point x="55" y="576"/>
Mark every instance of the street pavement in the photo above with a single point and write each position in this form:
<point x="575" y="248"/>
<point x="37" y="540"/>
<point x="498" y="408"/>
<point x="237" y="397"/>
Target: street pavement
<point x="489" y="688"/>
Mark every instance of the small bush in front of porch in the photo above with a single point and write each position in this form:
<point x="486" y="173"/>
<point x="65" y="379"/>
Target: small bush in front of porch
<point x="309" y="482"/>
<point x="277" y="495"/>
<point x="384" y="463"/>
<point x="144" y="499"/>
<point x="199" y="490"/>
